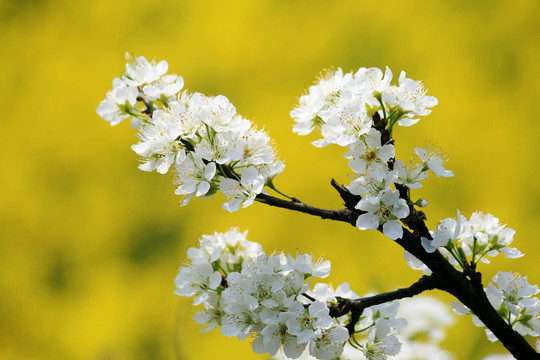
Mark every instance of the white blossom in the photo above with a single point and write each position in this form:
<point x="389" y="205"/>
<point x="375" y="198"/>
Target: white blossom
<point x="409" y="175"/>
<point x="238" y="320"/>
<point x="381" y="342"/>
<point x="304" y="264"/>
<point x="164" y="89"/>
<point x="210" y="317"/>
<point x="118" y="102"/>
<point x="141" y="71"/>
<point x="434" y="161"/>
<point x="196" y="280"/>
<point x="410" y="97"/>
<point x="276" y="334"/>
<point x="512" y="290"/>
<point x="491" y="237"/>
<point x="344" y="122"/>
<point x="326" y="293"/>
<point x="306" y="323"/>
<point x="372" y="83"/>
<point x="221" y="147"/>
<point x="373" y="182"/>
<point x="328" y="344"/>
<point x="511" y="295"/>
<point x="159" y="146"/>
<point x="319" y="96"/>
<point x="448" y="231"/>
<point x="194" y="177"/>
<point x="242" y="192"/>
<point x="384" y="210"/>
<point x="369" y="153"/>
<point x="479" y="237"/>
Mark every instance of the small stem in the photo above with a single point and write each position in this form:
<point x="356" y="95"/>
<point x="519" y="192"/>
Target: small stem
<point x="474" y="251"/>
<point x="356" y="307"/>
<point x="356" y="341"/>
<point x="273" y="187"/>
<point x="383" y="109"/>
<point x="364" y="329"/>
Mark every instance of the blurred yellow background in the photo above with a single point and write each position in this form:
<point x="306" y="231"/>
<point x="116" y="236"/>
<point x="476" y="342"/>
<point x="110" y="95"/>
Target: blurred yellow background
<point x="90" y="245"/>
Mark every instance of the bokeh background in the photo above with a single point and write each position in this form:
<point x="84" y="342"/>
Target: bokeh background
<point x="89" y="245"/>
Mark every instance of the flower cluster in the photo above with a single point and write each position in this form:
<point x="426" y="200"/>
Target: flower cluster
<point x="470" y="241"/>
<point x="426" y="320"/>
<point x="351" y="110"/>
<point x="250" y="293"/>
<point x="342" y="105"/>
<point x="377" y="327"/>
<point x="201" y="137"/>
<point x="245" y="292"/>
<point x="512" y="296"/>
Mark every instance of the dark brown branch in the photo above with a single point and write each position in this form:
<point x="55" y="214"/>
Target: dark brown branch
<point x="416" y="221"/>
<point x="343" y="215"/>
<point x="349" y="199"/>
<point x="357" y="306"/>
<point x="467" y="288"/>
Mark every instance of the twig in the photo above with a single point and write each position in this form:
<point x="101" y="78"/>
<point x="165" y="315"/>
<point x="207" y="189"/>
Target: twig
<point x="344" y="215"/>
<point x="357" y="306"/>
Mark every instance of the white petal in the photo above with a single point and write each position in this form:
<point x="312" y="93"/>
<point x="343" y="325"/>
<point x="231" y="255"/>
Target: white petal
<point x="427" y="244"/>
<point x="210" y="171"/>
<point x="402" y="209"/>
<point x="232" y="205"/>
<point x="367" y="221"/>
<point x="215" y="280"/>
<point x="202" y="188"/>
<point x="393" y="229"/>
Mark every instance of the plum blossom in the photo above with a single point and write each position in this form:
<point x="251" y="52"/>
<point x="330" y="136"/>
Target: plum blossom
<point x="511" y="295"/>
<point x="513" y="290"/>
<point x="304" y="265"/>
<point x="344" y="122"/>
<point x="409" y="175"/>
<point x="384" y="209"/>
<point x="415" y="264"/>
<point x="118" y="102"/>
<point x="381" y="342"/>
<point x="491" y="236"/>
<point x="159" y="146"/>
<point x="303" y="323"/>
<point x="196" y="280"/>
<point x="410" y="97"/>
<point x="434" y="161"/>
<point x="244" y="191"/>
<point x="373" y="182"/>
<point x="319" y="97"/>
<point x="372" y="83"/>
<point x="480" y="236"/>
<point x="194" y="177"/>
<point x="164" y="89"/>
<point x="328" y="343"/>
<point x="201" y="139"/>
<point x="368" y="153"/>
<point x="141" y="71"/>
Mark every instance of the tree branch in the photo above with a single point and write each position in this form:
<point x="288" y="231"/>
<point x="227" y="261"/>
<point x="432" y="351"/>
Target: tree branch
<point x="466" y="288"/>
<point x="343" y="215"/>
<point x="357" y="306"/>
